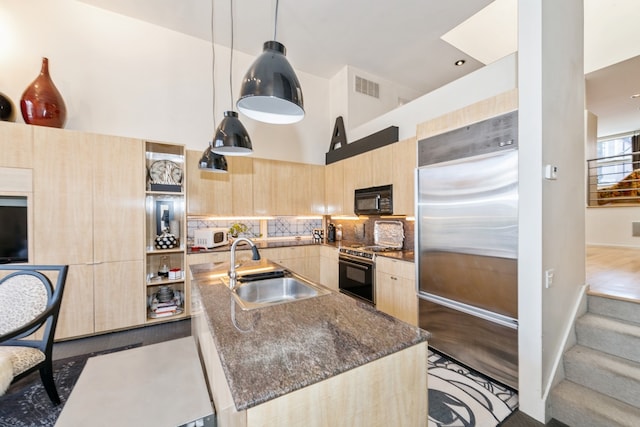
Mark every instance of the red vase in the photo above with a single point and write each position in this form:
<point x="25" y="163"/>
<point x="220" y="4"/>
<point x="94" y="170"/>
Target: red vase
<point x="41" y="103"/>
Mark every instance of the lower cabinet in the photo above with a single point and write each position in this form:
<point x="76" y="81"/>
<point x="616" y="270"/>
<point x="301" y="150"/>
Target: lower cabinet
<point x="396" y="289"/>
<point x="329" y="267"/>
<point x="292" y="257"/>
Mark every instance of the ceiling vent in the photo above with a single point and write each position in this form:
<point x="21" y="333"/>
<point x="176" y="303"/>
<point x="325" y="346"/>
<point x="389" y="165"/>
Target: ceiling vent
<point x="367" y="87"/>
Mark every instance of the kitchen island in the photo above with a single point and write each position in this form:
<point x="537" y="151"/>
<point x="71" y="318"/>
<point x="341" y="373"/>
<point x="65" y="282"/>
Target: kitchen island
<point x="323" y="361"/>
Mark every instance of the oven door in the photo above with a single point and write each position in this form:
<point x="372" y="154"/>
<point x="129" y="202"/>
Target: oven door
<point x="356" y="278"/>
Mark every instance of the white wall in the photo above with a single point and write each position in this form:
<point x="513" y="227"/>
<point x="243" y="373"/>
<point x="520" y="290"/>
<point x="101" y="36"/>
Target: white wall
<point x="484" y="83"/>
<point x="551" y="120"/>
<point x="122" y="76"/>
<point x="611" y="226"/>
<point x="363" y="108"/>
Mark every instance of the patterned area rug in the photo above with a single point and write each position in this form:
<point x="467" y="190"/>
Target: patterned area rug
<point x="460" y="397"/>
<point x="26" y="403"/>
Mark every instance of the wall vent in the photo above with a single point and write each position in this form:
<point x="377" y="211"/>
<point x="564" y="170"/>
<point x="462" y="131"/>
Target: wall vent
<point x="367" y="87"/>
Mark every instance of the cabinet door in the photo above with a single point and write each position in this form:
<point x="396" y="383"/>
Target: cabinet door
<point x="306" y="183"/>
<point x="406" y="301"/>
<point x="118" y="296"/>
<point x="382" y="166"/>
<point x="329" y="267"/>
<point x="118" y="201"/>
<point x="264" y="187"/>
<point x="385" y="293"/>
<point x="241" y="171"/>
<point x="357" y="174"/>
<point x="76" y="310"/>
<point x="16" y="145"/>
<point x="63" y="196"/>
<point x="334" y="188"/>
<point x="209" y="193"/>
<point x="404" y="164"/>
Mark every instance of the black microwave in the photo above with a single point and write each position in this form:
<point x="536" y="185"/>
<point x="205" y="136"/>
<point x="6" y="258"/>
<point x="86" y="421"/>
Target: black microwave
<point x="374" y="200"/>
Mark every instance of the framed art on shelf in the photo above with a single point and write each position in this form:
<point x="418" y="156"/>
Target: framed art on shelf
<point x="164" y="215"/>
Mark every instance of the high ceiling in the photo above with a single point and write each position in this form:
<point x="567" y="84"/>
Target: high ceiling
<point x="403" y="41"/>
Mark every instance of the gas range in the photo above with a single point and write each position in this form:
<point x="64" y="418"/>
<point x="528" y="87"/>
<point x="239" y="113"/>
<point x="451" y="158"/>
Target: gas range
<point x="366" y="252"/>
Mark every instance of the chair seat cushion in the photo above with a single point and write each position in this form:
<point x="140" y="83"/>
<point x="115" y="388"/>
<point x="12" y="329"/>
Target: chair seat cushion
<point x="22" y="358"/>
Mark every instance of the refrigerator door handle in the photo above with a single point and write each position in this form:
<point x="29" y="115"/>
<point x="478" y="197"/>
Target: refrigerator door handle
<point x="506" y="321"/>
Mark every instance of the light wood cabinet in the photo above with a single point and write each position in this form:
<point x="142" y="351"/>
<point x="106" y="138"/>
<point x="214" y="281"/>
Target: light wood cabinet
<point x="16" y="145"/>
<point x="223" y="194"/>
<point x="241" y="170"/>
<point x="88" y="214"/>
<point x="287" y="188"/>
<point x="396" y="289"/>
<point x="292" y="257"/>
<point x="209" y="192"/>
<point x="403" y="171"/>
<point x="329" y="267"/>
<point x="334" y="188"/>
<point x="371" y="169"/>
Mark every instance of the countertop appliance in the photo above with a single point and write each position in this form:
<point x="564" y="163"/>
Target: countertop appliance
<point x="356" y="263"/>
<point x="211" y="237"/>
<point x="374" y="200"/>
<point x="466" y="245"/>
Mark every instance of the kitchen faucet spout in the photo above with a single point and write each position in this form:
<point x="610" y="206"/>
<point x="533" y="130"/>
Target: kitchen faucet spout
<point x="232" y="268"/>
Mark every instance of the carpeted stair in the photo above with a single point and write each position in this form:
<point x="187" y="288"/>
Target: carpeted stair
<point x="602" y="372"/>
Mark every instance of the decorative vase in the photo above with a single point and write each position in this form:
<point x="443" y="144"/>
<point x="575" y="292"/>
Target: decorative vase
<point x="6" y="108"/>
<point x="166" y="241"/>
<point x="41" y="103"/>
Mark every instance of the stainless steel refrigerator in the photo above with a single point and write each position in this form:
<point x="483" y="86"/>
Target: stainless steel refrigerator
<point x="467" y="245"/>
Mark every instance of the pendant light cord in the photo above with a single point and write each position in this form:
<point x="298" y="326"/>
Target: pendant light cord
<point x="231" y="56"/>
<point x="213" y="70"/>
<point x="275" y="25"/>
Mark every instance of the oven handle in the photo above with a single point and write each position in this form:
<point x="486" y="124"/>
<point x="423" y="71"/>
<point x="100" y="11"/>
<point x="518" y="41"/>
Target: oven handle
<point x="355" y="264"/>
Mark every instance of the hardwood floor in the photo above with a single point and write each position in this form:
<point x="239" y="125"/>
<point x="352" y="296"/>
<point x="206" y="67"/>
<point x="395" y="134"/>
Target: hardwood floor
<point x="614" y="272"/>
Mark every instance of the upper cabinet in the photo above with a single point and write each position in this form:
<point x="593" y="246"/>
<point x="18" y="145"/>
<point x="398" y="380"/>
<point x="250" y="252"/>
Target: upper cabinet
<point x="334" y="188"/>
<point x="403" y="171"/>
<point x="287" y="188"/>
<point x="224" y="194"/>
<point x="16" y="145"/>
<point x="391" y="164"/>
<point x="209" y="193"/>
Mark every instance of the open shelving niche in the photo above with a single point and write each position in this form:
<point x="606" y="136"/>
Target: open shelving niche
<point x="159" y="198"/>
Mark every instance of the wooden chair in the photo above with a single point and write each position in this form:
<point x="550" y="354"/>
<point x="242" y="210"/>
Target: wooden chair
<point x="30" y="303"/>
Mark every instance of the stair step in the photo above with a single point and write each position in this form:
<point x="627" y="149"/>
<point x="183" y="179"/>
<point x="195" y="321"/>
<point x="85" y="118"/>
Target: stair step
<point x="610" y="375"/>
<point x="609" y="335"/>
<point x="618" y="309"/>
<point x="576" y="405"/>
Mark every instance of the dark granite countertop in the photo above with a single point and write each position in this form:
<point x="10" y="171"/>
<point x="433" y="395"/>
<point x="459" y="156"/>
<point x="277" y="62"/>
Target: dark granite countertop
<point x="272" y="351"/>
<point x="403" y="255"/>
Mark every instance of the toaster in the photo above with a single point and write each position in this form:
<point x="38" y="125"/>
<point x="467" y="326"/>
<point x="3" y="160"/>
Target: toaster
<point x="211" y="237"/>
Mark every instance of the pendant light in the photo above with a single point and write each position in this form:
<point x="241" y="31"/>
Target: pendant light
<point x="231" y="137"/>
<point x="270" y="89"/>
<point x="212" y="162"/>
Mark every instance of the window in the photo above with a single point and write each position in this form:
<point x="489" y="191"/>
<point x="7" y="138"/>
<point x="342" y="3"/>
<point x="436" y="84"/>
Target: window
<point x="615" y="159"/>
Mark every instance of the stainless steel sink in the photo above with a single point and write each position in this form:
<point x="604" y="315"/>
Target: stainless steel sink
<point x="266" y="292"/>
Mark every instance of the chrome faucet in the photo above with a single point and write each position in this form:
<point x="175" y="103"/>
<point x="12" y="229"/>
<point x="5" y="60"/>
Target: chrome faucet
<point x="232" y="268"/>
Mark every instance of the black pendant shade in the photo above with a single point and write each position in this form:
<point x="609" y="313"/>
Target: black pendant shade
<point x="231" y="137"/>
<point x="212" y="162"/>
<point x="270" y="89"/>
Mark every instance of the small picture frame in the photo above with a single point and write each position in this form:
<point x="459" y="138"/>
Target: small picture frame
<point x="164" y="215"/>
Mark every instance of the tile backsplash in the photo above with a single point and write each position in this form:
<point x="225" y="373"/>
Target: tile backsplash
<point x="278" y="227"/>
<point x="291" y="227"/>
